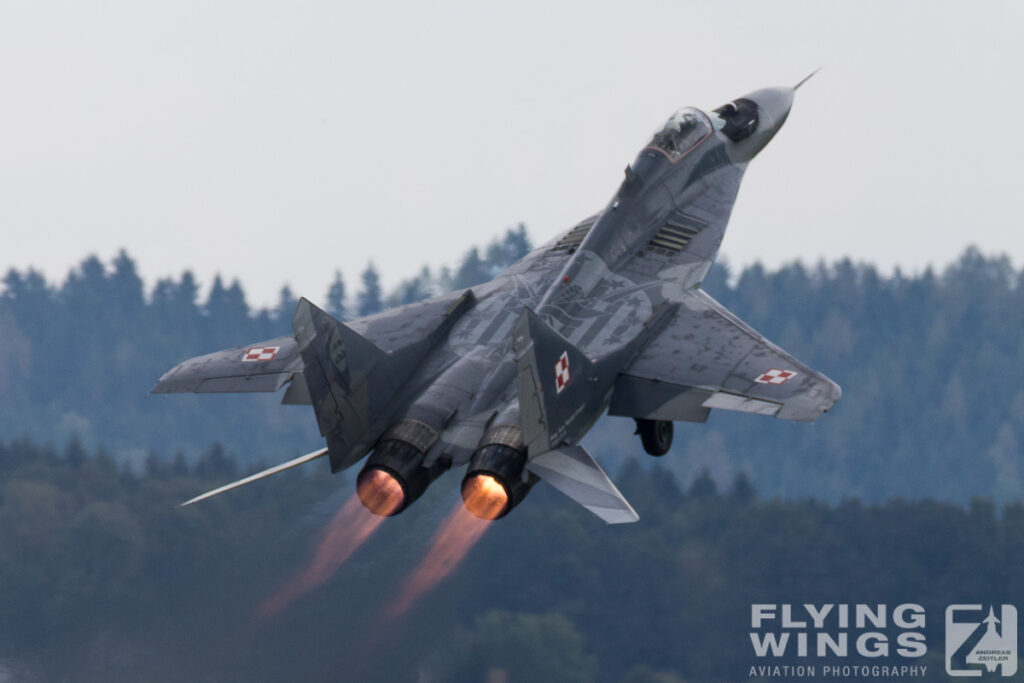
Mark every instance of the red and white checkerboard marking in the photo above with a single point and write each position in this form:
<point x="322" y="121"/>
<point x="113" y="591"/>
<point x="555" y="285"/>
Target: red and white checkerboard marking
<point x="776" y="376"/>
<point x="561" y="372"/>
<point x="260" y="354"/>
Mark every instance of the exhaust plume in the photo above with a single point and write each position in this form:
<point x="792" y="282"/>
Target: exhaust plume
<point x="454" y="538"/>
<point x="350" y="527"/>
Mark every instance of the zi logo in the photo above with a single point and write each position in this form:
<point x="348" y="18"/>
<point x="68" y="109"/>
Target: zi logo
<point x="980" y="640"/>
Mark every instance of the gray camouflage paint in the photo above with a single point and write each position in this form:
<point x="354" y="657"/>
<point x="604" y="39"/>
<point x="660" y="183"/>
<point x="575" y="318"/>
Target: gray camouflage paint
<point x="619" y="295"/>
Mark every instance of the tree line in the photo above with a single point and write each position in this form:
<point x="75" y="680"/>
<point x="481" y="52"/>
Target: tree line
<point x="82" y="356"/>
<point x="931" y="363"/>
<point x="103" y="578"/>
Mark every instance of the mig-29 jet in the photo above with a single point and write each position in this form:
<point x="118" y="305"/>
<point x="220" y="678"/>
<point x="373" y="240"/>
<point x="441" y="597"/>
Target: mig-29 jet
<point x="505" y="378"/>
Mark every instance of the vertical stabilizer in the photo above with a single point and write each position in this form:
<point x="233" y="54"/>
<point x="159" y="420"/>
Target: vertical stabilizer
<point x="355" y="386"/>
<point x="556" y="382"/>
<point x="349" y="380"/>
<point x="562" y="391"/>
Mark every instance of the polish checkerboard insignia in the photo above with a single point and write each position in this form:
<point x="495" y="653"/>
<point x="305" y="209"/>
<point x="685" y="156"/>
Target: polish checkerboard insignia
<point x="776" y="376"/>
<point x="260" y="354"/>
<point x="561" y="372"/>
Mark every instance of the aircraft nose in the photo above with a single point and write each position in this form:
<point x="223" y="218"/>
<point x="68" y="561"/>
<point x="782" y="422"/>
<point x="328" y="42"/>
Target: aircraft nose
<point x="773" y="106"/>
<point x="753" y="120"/>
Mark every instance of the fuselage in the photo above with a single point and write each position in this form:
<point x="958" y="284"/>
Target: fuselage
<point x="507" y="377"/>
<point x="599" y="291"/>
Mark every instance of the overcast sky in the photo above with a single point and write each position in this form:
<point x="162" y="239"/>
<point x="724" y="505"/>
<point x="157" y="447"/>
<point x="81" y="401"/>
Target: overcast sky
<point x="277" y="142"/>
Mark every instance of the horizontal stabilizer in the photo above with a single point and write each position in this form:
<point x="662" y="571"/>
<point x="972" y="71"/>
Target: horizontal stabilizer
<point x="574" y="472"/>
<point x="301" y="460"/>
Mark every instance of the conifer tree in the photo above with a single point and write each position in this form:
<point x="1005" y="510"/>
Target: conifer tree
<point x="369" y="299"/>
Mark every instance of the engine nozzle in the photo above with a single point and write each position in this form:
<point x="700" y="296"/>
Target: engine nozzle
<point x="380" y="492"/>
<point x="496" y="481"/>
<point x="485" y="496"/>
<point x="395" y="476"/>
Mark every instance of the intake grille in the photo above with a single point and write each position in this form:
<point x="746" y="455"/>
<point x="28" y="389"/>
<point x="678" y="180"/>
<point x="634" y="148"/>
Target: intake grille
<point x="574" y="237"/>
<point x="676" y="233"/>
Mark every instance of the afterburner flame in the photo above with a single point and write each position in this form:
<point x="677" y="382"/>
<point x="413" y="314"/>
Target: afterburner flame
<point x="452" y="542"/>
<point x="484" y="496"/>
<point x="347" y="530"/>
<point x="380" y="492"/>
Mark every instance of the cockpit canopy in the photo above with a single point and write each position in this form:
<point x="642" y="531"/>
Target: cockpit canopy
<point x="686" y="129"/>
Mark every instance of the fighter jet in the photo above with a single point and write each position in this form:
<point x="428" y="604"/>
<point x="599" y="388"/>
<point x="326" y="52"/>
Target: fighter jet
<point x="506" y="378"/>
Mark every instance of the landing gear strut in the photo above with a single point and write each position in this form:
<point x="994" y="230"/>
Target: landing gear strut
<point x="656" y="435"/>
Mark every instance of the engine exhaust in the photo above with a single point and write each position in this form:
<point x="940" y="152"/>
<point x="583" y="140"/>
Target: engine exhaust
<point x="395" y="475"/>
<point x="496" y="479"/>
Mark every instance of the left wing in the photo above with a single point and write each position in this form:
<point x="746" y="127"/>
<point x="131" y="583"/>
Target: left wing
<point x="705" y="358"/>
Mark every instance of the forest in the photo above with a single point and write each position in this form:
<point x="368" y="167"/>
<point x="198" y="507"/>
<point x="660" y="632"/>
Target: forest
<point x="103" y="578"/>
<point x="930" y="364"/>
<point x="908" y="491"/>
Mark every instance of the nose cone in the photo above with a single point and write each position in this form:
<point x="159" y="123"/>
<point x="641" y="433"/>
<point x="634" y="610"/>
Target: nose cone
<point x="773" y="106"/>
<point x="753" y="120"/>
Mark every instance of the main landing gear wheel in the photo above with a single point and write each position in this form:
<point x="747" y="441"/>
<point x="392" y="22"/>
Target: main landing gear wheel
<point x="656" y="435"/>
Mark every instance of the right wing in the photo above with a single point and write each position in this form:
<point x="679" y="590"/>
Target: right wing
<point x="352" y="374"/>
<point x="706" y="357"/>
<point x="263" y="366"/>
<point x="269" y="365"/>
